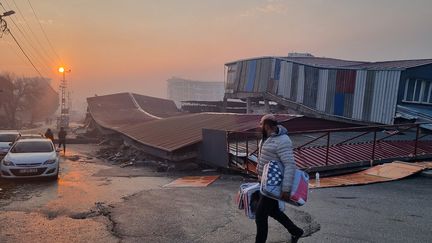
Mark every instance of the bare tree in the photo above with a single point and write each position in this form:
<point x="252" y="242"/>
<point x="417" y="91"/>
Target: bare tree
<point x="18" y="96"/>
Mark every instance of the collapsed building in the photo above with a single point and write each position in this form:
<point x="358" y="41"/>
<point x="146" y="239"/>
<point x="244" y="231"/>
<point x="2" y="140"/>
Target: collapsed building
<point x="155" y="126"/>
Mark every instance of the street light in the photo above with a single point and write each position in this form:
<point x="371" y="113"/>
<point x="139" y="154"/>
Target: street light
<point x="3" y="23"/>
<point x="8" y="13"/>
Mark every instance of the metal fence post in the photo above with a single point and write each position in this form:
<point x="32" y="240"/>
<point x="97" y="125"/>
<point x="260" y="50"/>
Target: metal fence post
<point x="373" y="147"/>
<point x="247" y="144"/>
<point x="328" y="148"/>
<point x="416" y="141"/>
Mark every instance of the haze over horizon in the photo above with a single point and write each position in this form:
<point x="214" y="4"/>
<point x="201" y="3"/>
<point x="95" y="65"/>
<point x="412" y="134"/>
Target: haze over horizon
<point x="136" y="45"/>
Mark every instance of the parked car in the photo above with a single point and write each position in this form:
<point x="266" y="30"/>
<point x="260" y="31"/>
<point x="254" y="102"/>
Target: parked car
<point x="27" y="136"/>
<point x="6" y="139"/>
<point x="36" y="157"/>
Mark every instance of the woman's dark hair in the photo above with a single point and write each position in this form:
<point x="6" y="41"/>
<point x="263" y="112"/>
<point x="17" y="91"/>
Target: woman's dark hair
<point x="271" y="123"/>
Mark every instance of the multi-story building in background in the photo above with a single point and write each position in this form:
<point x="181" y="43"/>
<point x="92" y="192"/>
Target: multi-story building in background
<point x="190" y="90"/>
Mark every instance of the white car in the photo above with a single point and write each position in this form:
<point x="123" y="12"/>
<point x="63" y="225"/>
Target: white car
<point x="6" y="139"/>
<point x="36" y="157"/>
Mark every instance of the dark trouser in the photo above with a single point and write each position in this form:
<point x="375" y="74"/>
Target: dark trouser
<point x="270" y="207"/>
<point x="62" y="142"/>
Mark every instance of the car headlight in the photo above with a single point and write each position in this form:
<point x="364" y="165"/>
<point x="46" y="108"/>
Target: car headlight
<point x="50" y="161"/>
<point x="7" y="163"/>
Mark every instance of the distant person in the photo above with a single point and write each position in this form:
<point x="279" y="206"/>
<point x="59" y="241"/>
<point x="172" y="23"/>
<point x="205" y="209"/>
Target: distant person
<point x="62" y="139"/>
<point x="275" y="145"/>
<point x="49" y="134"/>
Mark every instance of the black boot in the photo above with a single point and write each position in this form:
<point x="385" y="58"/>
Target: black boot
<point x="296" y="237"/>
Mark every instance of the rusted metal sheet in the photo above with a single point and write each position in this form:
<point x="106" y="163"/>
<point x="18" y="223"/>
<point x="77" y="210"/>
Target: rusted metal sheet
<point x="193" y="181"/>
<point x="177" y="132"/>
<point x="381" y="173"/>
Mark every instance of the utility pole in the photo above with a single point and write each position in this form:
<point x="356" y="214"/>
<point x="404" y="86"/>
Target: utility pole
<point x="63" y="120"/>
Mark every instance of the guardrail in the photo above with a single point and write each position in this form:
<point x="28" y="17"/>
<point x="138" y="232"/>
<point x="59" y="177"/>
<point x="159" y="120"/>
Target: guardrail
<point x="381" y="146"/>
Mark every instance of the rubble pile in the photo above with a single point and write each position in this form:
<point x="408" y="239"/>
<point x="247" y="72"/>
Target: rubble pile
<point x="125" y="155"/>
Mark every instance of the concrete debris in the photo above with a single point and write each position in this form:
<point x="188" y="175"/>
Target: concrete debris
<point x="125" y="156"/>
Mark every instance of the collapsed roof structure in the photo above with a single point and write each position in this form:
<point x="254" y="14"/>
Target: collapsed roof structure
<point x="157" y="127"/>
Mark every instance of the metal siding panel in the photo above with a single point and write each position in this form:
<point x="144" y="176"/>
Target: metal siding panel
<point x="331" y="92"/>
<point x="259" y="80"/>
<point x="258" y="75"/>
<point x="244" y="75"/>
<point x="386" y="95"/>
<point x="339" y="101"/>
<point x="339" y="81"/>
<point x="266" y="75"/>
<point x="294" y="81"/>
<point x="281" y="84"/>
<point x="378" y="97"/>
<point x="273" y="63"/>
<point x="322" y="89"/>
<point x="300" y="84"/>
<point x="351" y="81"/>
<point x="391" y="96"/>
<point x="348" y="106"/>
<point x="251" y="75"/>
<point x="277" y="69"/>
<point x="311" y="86"/>
<point x="369" y="93"/>
<point x="359" y="94"/>
<point x="288" y="79"/>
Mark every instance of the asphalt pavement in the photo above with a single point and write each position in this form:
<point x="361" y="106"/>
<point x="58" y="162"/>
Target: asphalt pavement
<point x="94" y="201"/>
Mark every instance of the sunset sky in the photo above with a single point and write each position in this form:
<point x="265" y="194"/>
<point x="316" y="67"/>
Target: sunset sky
<point x="136" y="45"/>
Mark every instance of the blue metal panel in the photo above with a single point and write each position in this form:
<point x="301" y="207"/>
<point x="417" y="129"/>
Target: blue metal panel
<point x="339" y="103"/>
<point x="250" y="75"/>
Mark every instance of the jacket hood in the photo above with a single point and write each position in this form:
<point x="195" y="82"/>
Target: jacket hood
<point x="281" y="131"/>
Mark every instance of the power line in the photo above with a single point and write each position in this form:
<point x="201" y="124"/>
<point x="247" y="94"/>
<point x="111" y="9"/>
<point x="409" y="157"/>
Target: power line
<point x="43" y="61"/>
<point x="33" y="34"/>
<point x="46" y="36"/>
<point x="22" y="50"/>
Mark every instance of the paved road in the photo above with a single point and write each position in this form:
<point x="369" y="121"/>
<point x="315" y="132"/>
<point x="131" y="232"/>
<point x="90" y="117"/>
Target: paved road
<point x="96" y="202"/>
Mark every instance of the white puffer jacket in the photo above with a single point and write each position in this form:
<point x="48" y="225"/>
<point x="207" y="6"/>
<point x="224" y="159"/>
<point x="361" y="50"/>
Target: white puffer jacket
<point x="278" y="147"/>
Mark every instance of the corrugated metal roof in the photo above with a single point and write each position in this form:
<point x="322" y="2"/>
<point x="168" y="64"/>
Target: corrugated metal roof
<point x="174" y="133"/>
<point x="398" y="65"/>
<point x="116" y="110"/>
<point x="323" y="61"/>
<point x="162" y="108"/>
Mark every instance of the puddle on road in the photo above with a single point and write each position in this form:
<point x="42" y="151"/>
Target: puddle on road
<point x="21" y="190"/>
